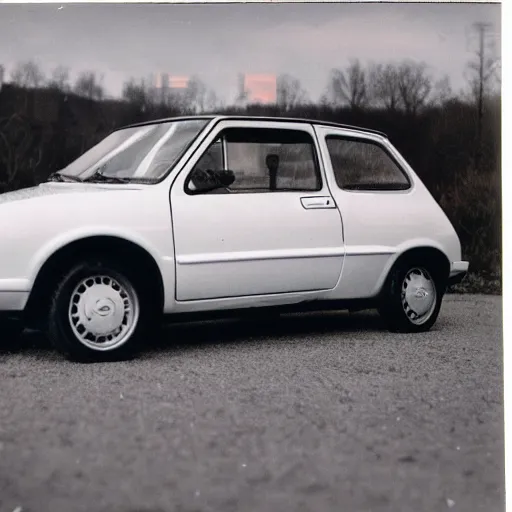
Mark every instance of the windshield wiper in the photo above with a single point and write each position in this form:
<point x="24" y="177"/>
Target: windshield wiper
<point x="58" y="176"/>
<point x="99" y="177"/>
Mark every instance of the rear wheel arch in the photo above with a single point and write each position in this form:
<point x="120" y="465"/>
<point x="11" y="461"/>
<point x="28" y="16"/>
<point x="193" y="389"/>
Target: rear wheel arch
<point x="411" y="295"/>
<point x="436" y="260"/>
<point x="128" y="253"/>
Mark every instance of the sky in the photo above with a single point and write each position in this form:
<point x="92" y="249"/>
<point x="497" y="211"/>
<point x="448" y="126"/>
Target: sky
<point x="218" y="41"/>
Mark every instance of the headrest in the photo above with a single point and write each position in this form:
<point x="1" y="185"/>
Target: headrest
<point x="272" y="162"/>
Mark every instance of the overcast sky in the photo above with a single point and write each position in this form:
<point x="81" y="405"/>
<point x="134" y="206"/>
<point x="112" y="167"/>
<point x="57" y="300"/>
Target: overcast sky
<point x="218" y="41"/>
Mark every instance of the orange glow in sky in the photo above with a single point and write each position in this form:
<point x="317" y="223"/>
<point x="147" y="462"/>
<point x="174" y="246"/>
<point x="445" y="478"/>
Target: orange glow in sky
<point x="178" y="82"/>
<point x="173" y="82"/>
<point x="261" y="88"/>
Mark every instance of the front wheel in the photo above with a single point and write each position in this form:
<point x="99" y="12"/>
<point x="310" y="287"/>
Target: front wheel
<point x="412" y="297"/>
<point x="99" y="311"/>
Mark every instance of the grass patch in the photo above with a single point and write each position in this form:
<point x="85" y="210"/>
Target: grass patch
<point x="483" y="282"/>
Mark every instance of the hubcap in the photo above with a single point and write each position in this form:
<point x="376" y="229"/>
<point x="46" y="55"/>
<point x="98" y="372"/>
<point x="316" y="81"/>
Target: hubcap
<point x="103" y="312"/>
<point x="419" y="295"/>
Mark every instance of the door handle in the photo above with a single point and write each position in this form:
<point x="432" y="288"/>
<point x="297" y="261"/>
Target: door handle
<point x="317" y="202"/>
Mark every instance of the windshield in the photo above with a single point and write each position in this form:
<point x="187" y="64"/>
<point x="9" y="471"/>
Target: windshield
<point x="142" y="153"/>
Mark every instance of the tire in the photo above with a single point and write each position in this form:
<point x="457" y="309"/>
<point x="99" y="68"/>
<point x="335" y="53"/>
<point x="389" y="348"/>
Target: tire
<point x="101" y="311"/>
<point x="412" y="296"/>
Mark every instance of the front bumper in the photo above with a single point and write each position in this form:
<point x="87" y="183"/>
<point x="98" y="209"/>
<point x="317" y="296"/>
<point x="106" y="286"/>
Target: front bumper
<point x="458" y="271"/>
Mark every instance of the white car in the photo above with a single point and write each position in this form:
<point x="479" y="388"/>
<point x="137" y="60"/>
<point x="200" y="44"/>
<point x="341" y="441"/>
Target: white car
<point x="217" y="214"/>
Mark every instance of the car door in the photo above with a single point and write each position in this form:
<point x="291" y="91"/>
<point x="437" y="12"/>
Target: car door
<point x="276" y="229"/>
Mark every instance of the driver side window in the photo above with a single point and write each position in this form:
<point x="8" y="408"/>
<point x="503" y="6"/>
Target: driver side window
<point x="257" y="160"/>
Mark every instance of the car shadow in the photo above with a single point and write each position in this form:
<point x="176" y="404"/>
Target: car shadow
<point x="194" y="334"/>
<point x="191" y="335"/>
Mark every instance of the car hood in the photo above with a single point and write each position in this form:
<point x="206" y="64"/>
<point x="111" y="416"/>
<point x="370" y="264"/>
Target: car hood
<point x="51" y="189"/>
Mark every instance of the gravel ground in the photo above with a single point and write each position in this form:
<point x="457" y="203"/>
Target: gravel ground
<point x="317" y="412"/>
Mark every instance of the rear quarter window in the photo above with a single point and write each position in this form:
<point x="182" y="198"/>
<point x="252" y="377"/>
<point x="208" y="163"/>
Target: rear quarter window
<point x="364" y="165"/>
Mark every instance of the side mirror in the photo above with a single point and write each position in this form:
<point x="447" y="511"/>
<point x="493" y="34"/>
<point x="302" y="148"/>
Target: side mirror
<point x="201" y="181"/>
<point x="226" y="178"/>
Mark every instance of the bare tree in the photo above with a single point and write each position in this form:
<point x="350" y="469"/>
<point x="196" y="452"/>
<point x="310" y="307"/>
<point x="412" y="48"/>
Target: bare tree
<point x="212" y="101"/>
<point x="290" y="93"/>
<point x="28" y="74"/>
<point x="168" y="97"/>
<point x="482" y="70"/>
<point x="153" y="95"/>
<point x="414" y="85"/>
<point x="349" y="86"/>
<point x="195" y="97"/>
<point x="89" y="85"/>
<point x="136" y="94"/>
<point x="199" y="97"/>
<point x="242" y="94"/>
<point x="59" y="79"/>
<point x="383" y="86"/>
<point x="442" y="92"/>
<point x="20" y="152"/>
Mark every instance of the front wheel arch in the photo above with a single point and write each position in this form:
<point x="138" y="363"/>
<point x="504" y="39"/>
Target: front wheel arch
<point x="130" y="253"/>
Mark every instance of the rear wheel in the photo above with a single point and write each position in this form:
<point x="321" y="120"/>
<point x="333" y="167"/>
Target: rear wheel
<point x="100" y="311"/>
<point x="412" y="297"/>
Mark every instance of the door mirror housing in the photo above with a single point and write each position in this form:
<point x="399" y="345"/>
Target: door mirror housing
<point x="200" y="182"/>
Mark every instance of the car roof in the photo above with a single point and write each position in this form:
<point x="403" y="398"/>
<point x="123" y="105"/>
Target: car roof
<point x="257" y="118"/>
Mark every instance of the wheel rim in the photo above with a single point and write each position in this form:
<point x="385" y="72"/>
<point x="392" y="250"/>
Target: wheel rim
<point x="419" y="297"/>
<point x="103" y="312"/>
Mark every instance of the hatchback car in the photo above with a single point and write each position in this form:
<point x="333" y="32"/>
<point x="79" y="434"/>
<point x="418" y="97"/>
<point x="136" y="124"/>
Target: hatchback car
<point x="220" y="214"/>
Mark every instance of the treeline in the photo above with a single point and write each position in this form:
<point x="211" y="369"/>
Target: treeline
<point x="452" y="140"/>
